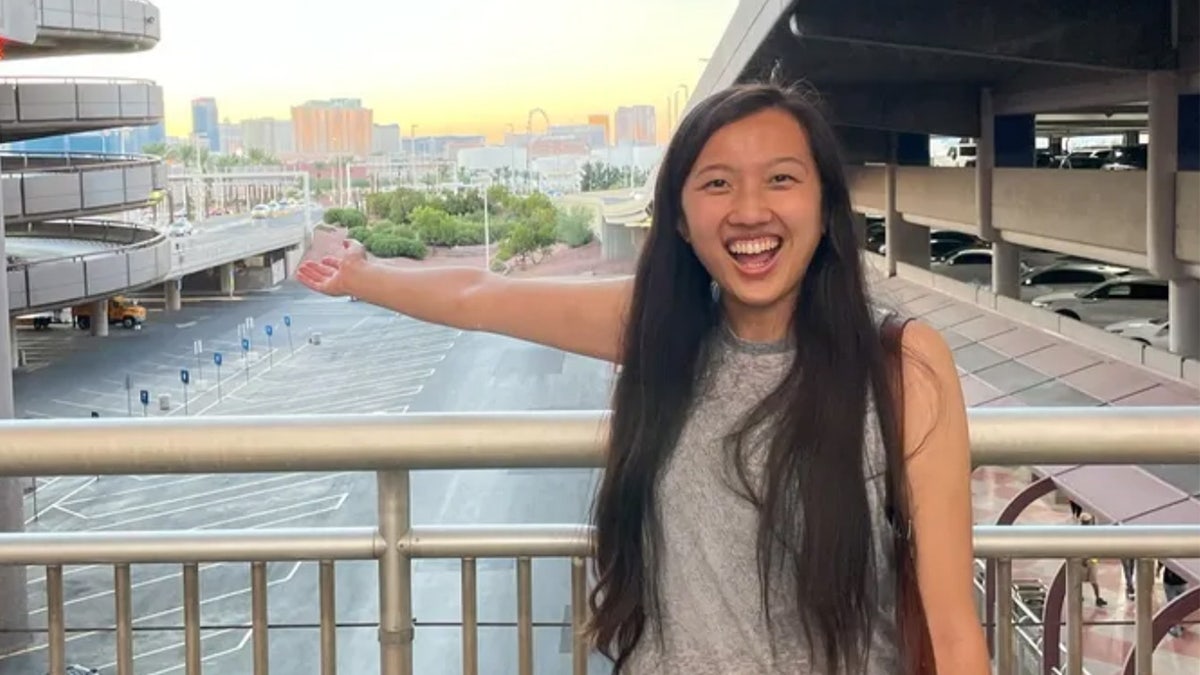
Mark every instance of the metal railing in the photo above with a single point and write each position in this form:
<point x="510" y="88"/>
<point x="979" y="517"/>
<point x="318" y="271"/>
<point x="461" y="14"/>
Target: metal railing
<point x="393" y="446"/>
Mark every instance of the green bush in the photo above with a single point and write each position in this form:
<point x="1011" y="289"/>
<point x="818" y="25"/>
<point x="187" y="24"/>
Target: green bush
<point x="387" y="245"/>
<point x="348" y="218"/>
<point x="574" y="226"/>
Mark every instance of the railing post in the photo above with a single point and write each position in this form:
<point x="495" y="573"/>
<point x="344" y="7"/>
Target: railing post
<point x="1144" y="616"/>
<point x="1003" y="651"/>
<point x="395" y="576"/>
<point x="1074" y="593"/>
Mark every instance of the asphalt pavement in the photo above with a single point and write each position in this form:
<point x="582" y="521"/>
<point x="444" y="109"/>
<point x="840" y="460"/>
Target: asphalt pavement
<point x="368" y="360"/>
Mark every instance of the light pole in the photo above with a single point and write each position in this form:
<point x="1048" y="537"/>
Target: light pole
<point x="487" y="233"/>
<point x="412" y="156"/>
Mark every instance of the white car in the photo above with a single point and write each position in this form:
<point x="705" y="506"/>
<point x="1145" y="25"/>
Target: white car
<point x="181" y="228"/>
<point x="260" y="211"/>
<point x="1150" y="332"/>
<point x="1109" y="302"/>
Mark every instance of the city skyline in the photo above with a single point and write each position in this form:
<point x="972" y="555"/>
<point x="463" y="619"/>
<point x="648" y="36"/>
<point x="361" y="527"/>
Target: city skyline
<point x="476" y="67"/>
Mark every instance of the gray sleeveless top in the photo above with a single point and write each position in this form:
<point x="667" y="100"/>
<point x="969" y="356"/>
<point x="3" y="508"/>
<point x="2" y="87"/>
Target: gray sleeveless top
<point x="712" y="619"/>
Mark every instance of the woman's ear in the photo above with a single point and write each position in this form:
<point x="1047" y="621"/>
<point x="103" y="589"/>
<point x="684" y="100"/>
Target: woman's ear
<point x="682" y="228"/>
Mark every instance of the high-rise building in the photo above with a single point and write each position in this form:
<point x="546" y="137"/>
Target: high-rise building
<point x="230" y="136"/>
<point x="601" y="121"/>
<point x="206" y="124"/>
<point x="636" y="125"/>
<point x="333" y="127"/>
<point x="385" y="139"/>
<point x="591" y="134"/>
<point x="268" y="135"/>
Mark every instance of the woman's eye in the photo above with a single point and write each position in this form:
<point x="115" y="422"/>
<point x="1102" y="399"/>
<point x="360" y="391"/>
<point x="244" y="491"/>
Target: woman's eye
<point x="782" y="178"/>
<point x="718" y="183"/>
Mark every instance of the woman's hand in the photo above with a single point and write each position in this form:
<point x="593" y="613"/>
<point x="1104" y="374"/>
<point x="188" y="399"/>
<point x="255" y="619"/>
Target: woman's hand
<point x="332" y="273"/>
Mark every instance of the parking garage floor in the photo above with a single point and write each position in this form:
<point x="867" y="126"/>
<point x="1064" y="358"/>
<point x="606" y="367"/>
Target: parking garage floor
<point x="1005" y="363"/>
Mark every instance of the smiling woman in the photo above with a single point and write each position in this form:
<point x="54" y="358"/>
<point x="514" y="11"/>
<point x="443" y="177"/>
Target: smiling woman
<point x="763" y="440"/>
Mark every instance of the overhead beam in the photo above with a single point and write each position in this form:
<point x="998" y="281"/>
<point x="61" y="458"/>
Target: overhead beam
<point x="950" y="110"/>
<point x="1114" y="35"/>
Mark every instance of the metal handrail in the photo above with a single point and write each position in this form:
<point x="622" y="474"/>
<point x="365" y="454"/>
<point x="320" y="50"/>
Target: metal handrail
<point x="506" y="440"/>
<point x="1001" y="542"/>
<point x="55" y="79"/>
<point x="999" y="437"/>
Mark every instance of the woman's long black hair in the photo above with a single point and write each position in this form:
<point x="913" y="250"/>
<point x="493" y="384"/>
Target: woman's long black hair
<point x="814" y="519"/>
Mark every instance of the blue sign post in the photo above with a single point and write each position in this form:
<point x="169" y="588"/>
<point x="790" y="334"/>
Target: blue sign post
<point x="269" y="330"/>
<point x="246" y="357"/>
<point x="144" y="396"/>
<point x="287" y="323"/>
<point x="185" y="378"/>
<point x="217" y="362"/>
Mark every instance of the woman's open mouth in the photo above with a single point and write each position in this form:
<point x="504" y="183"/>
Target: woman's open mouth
<point x="754" y="257"/>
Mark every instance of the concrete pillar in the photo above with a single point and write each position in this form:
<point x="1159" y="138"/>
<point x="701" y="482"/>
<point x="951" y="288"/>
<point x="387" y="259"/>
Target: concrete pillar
<point x="173" y="295"/>
<point x="860" y="229"/>
<point x="906" y="242"/>
<point x="1130" y="138"/>
<point x="1162" y="161"/>
<point x="1183" y="308"/>
<point x="1188" y="142"/>
<point x="1184" y="303"/>
<point x="227" y="277"/>
<point x="1056" y="145"/>
<point x="14" y="594"/>
<point x="14" y="345"/>
<point x="99" y="319"/>
<point x="1006" y="141"/>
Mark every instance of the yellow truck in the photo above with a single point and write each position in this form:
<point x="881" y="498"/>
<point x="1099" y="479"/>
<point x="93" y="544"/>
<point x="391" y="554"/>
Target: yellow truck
<point x="121" y="310"/>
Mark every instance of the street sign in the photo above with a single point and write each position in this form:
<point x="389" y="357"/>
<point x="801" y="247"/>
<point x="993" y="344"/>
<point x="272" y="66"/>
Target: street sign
<point x="184" y="376"/>
<point x="144" y="396"/>
<point x="197" y="347"/>
<point x="245" y="344"/>
<point x="217" y="359"/>
<point x="269" y="330"/>
<point x="249" y="322"/>
<point x="287" y="319"/>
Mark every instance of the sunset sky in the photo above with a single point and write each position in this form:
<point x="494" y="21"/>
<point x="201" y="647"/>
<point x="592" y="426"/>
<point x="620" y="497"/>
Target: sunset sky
<point x="459" y="66"/>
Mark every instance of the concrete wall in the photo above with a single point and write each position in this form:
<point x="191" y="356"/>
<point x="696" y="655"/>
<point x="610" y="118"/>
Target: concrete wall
<point x="66" y="101"/>
<point x="72" y="280"/>
<point x="80" y="190"/>
<point x="1123" y="349"/>
<point x="1097" y="213"/>
<point x="125" y="17"/>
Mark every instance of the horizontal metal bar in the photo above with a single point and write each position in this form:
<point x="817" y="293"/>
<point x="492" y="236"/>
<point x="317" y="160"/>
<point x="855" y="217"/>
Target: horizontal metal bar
<point x="512" y="541"/>
<point x="298" y="443"/>
<point x="178" y="546"/>
<point x="498" y="541"/>
<point x="999" y="436"/>
<point x="1094" y="541"/>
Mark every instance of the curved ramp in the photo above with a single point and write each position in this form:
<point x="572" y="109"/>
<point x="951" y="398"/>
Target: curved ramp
<point x="66" y="27"/>
<point x="44" y="186"/>
<point x="37" y="107"/>
<point x="99" y="258"/>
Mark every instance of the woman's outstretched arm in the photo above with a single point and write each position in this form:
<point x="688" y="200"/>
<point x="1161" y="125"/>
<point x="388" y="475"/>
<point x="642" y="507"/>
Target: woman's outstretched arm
<point x="582" y="316"/>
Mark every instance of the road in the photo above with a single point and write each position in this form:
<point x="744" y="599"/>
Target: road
<point x="368" y="360"/>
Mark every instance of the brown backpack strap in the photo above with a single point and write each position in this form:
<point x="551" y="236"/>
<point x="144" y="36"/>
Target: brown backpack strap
<point x="915" y="644"/>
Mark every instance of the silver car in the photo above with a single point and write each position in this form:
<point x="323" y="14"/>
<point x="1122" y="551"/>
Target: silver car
<point x="1112" y="301"/>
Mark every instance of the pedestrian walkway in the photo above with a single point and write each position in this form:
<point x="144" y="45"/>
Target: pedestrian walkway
<point x="1005" y="363"/>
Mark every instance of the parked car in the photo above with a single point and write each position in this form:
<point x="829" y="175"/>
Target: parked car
<point x="1150" y="332"/>
<point x="1110" y="302"/>
<point x="1067" y="276"/>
